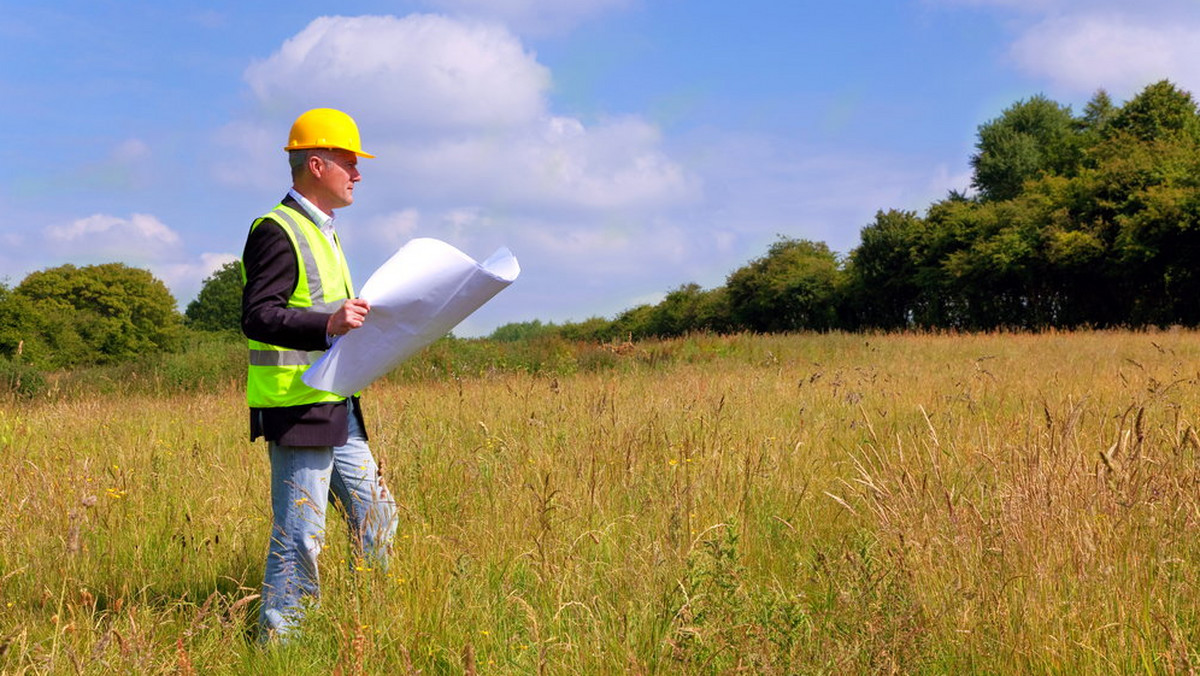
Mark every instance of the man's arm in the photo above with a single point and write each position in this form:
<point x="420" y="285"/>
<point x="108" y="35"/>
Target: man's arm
<point x="271" y="277"/>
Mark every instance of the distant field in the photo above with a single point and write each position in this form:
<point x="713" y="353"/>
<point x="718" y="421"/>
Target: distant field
<point x="762" y="505"/>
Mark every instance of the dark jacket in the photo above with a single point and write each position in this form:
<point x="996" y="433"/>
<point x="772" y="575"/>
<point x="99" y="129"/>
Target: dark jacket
<point x="271" y="277"/>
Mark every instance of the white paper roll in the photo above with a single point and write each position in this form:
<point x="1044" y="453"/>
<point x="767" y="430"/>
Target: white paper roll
<point x="422" y="292"/>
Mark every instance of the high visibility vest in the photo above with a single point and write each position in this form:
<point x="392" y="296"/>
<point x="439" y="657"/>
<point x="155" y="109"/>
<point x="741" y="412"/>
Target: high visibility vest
<point x="322" y="285"/>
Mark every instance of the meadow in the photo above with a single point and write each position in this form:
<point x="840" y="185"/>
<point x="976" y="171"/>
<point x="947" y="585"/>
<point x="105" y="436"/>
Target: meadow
<point x="803" y="504"/>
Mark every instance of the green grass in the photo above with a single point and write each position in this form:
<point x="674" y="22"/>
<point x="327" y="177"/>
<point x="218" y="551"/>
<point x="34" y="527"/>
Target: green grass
<point x="770" y="505"/>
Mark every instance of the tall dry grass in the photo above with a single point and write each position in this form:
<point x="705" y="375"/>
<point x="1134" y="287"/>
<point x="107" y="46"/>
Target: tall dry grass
<point x="769" y="505"/>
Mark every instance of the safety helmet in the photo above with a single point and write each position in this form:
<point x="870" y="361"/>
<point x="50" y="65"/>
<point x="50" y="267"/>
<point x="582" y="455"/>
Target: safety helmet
<point x="325" y="128"/>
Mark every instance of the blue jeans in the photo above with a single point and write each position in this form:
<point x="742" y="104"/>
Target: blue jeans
<point x="302" y="480"/>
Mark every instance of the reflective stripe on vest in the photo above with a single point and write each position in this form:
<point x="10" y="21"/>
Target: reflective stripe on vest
<point x="312" y="273"/>
<point x="322" y="285"/>
<point x="282" y="357"/>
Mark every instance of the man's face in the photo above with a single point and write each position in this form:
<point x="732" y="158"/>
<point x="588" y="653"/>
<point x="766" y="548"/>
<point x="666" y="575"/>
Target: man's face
<point x="336" y="172"/>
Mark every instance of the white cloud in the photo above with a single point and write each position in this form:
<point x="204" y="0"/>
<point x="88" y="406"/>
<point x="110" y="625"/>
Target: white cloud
<point x="554" y="163"/>
<point x="140" y="240"/>
<point x="1079" y="46"/>
<point x="943" y="181"/>
<point x="185" y="277"/>
<point x="141" y="235"/>
<point x="253" y="158"/>
<point x="1065" y="7"/>
<point x="211" y="262"/>
<point x="391" y="230"/>
<point x="419" y="71"/>
<point x="533" y="17"/>
<point x="131" y="150"/>
<point x="1121" y="53"/>
<point x="457" y="115"/>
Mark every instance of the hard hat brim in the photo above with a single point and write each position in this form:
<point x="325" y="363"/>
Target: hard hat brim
<point x="360" y="153"/>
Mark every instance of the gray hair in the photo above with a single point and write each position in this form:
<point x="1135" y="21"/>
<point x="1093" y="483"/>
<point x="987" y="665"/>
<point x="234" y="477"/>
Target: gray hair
<point x="298" y="159"/>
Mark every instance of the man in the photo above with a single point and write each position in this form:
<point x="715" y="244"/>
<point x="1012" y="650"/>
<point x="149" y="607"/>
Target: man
<point x="298" y="297"/>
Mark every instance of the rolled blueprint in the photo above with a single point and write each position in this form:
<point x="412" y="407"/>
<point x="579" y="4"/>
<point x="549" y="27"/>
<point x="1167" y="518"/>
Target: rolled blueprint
<point x="421" y="292"/>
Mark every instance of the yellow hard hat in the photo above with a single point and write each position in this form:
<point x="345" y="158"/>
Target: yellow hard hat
<point x="325" y="128"/>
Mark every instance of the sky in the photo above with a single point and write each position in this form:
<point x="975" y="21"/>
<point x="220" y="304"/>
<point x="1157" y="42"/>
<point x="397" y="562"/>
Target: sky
<point x="619" y="148"/>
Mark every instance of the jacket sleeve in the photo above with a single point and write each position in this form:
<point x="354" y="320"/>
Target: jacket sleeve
<point x="271" y="277"/>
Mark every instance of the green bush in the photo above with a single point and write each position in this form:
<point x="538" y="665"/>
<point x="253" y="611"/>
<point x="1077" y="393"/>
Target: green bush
<point x="207" y="362"/>
<point x="20" y="379"/>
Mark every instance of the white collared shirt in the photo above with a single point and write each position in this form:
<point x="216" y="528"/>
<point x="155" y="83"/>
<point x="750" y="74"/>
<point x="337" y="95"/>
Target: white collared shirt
<point x="322" y="220"/>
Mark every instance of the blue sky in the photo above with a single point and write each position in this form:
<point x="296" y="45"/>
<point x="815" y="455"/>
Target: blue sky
<point x="620" y="148"/>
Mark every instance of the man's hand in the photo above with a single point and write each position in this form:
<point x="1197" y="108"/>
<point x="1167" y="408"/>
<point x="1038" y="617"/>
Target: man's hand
<point x="349" y="316"/>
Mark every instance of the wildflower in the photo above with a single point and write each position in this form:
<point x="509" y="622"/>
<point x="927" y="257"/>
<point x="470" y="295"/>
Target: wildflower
<point x="672" y="462"/>
<point x="115" y="493"/>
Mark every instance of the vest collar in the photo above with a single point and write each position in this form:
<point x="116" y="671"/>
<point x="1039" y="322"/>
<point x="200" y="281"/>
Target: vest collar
<point x="319" y="218"/>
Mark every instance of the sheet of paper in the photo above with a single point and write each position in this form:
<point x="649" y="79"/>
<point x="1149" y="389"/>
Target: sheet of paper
<point x="421" y="292"/>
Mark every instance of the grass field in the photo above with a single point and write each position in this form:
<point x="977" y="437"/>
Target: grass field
<point x="763" y="505"/>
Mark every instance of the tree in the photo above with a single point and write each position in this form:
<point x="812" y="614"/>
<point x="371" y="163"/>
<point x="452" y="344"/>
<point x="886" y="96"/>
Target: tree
<point x="1030" y="138"/>
<point x="882" y="271"/>
<point x="98" y="313"/>
<point x="1159" y="111"/>
<point x="792" y="288"/>
<point x="594" y="329"/>
<point x="218" y="306"/>
<point x="1098" y="112"/>
<point x="518" y="331"/>
<point x="17" y="318"/>
<point x="997" y="279"/>
<point x="686" y="309"/>
<point x="1140" y="204"/>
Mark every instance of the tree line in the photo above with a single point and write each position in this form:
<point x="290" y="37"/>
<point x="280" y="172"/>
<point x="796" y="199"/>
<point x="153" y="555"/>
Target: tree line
<point x="1088" y="220"/>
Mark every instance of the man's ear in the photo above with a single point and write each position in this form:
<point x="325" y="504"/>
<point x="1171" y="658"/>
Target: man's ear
<point x="316" y="165"/>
